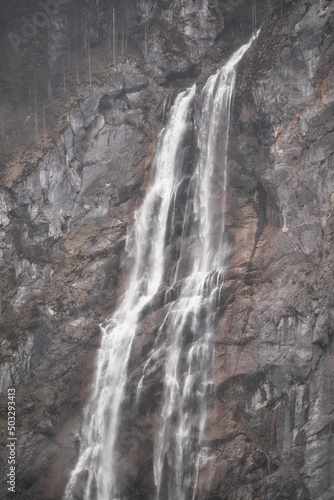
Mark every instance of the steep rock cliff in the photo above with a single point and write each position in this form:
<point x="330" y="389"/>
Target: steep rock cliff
<point x="62" y="250"/>
<point x="270" y="425"/>
<point x="275" y="349"/>
<point x="63" y="238"/>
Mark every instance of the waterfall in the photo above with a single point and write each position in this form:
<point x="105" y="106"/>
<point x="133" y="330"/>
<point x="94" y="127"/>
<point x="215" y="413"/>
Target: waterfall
<point x="181" y="447"/>
<point x="181" y="451"/>
<point x="101" y="416"/>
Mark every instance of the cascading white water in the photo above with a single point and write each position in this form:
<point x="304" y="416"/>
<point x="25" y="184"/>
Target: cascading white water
<point x="180" y="447"/>
<point x="188" y="330"/>
<point x="101" y="419"/>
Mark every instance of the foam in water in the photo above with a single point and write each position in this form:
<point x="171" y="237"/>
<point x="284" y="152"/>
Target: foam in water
<point x="102" y="414"/>
<point x="181" y="452"/>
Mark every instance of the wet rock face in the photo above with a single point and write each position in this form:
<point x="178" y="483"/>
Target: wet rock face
<point x="178" y="39"/>
<point x="270" y="425"/>
<point x="62" y="243"/>
<point x="62" y="240"/>
<point x="177" y="35"/>
<point x="274" y="347"/>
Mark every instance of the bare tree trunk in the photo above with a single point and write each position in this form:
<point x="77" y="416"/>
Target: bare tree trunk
<point x="69" y="54"/>
<point x="254" y="16"/>
<point x="49" y="76"/>
<point x="64" y="76"/>
<point x="114" y="35"/>
<point x="2" y="137"/>
<point x="77" y="49"/>
<point x="36" y="115"/>
<point x="49" y="86"/>
<point x="109" y="40"/>
<point x="123" y="38"/>
<point x="145" y="32"/>
<point x="89" y="66"/>
<point x="44" y="125"/>
<point x="30" y="100"/>
<point x="126" y="28"/>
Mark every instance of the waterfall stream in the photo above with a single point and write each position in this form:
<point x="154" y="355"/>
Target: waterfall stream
<point x="181" y="451"/>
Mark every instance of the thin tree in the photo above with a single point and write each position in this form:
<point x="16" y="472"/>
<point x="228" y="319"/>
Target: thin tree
<point x="254" y="20"/>
<point x="69" y="53"/>
<point x="89" y="64"/>
<point x="36" y="112"/>
<point x="89" y="57"/>
<point x="145" y="31"/>
<point x="114" y="35"/>
<point x="2" y="134"/>
<point x="126" y="24"/>
<point x="64" y="75"/>
<point x="44" y="124"/>
<point x="109" y="38"/>
<point x="49" y="62"/>
<point x="77" y="45"/>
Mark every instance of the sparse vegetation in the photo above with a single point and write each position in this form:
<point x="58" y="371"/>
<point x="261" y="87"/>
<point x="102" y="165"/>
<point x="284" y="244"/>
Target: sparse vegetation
<point x="54" y="71"/>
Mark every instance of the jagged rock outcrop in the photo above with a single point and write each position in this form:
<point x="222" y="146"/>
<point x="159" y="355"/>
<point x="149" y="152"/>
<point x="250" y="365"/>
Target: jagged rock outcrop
<point x="63" y="238"/>
<point x="63" y="230"/>
<point x="282" y="321"/>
